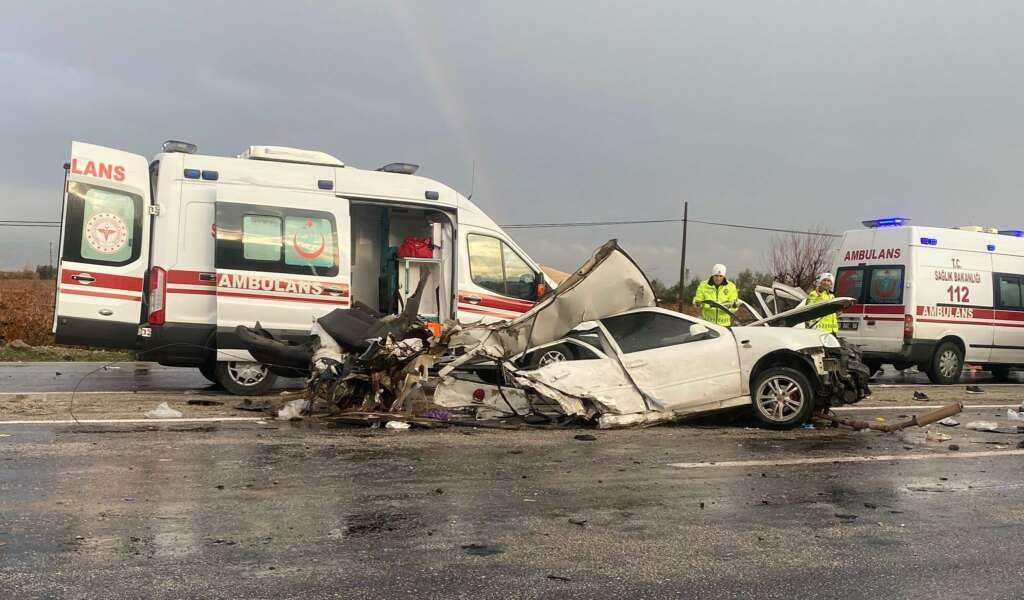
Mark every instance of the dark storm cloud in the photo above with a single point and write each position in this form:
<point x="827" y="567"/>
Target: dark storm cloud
<point x="773" y="113"/>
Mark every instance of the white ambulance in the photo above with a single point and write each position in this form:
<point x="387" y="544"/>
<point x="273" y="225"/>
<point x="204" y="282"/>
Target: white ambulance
<point x="933" y="297"/>
<point x="166" y="257"/>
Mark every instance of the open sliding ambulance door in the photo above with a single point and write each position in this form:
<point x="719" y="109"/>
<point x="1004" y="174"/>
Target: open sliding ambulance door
<point x="282" y="260"/>
<point x="104" y="248"/>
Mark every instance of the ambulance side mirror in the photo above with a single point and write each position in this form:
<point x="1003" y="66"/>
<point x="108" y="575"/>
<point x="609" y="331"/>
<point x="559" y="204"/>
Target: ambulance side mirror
<point x="540" y="286"/>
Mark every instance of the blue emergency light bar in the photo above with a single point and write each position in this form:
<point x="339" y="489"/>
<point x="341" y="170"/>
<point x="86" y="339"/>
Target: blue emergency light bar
<point x="991" y="247"/>
<point x="1013" y="232"/>
<point x="929" y="241"/>
<point x="886" y="222"/>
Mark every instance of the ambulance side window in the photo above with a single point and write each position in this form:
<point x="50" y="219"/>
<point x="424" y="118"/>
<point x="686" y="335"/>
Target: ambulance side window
<point x="1009" y="292"/>
<point x="850" y="282"/>
<point x="276" y="240"/>
<point x="886" y="285"/>
<point x="495" y="266"/>
<point x="103" y="226"/>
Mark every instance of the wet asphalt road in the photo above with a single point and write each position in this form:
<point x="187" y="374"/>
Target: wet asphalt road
<point x="101" y="377"/>
<point x="143" y="376"/>
<point x="285" y="510"/>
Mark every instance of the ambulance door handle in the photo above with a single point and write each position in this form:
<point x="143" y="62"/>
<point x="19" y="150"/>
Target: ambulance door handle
<point x="473" y="299"/>
<point x="106" y="312"/>
<point x="207" y="277"/>
<point x="84" y="278"/>
<point x="870" y="322"/>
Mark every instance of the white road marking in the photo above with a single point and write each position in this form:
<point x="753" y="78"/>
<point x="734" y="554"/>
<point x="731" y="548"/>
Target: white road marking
<point x="154" y="421"/>
<point x="920" y="407"/>
<point x="782" y="462"/>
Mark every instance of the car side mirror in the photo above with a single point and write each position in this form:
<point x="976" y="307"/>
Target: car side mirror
<point x="697" y="330"/>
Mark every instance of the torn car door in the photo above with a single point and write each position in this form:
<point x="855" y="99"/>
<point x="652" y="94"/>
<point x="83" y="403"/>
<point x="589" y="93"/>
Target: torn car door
<point x="807" y="313"/>
<point x="676" y="361"/>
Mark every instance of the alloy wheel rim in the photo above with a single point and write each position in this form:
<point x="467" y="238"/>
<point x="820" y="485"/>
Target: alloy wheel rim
<point x="780" y="398"/>
<point x="948" y="363"/>
<point x="551" y="356"/>
<point x="247" y="373"/>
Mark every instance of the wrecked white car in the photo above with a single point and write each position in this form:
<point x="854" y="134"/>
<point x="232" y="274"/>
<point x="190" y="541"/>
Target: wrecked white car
<point x="638" y="364"/>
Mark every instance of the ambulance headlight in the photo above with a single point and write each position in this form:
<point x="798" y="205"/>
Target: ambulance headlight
<point x="829" y="341"/>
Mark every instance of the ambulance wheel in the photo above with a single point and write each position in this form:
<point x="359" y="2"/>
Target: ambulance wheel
<point x="245" y="378"/>
<point x="551" y="354"/>
<point x="209" y="371"/>
<point x="947" y="364"/>
<point x="783" y="397"/>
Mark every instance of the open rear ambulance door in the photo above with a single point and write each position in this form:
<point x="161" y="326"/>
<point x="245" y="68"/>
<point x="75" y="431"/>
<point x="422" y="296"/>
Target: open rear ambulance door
<point x="282" y="259"/>
<point x="104" y="248"/>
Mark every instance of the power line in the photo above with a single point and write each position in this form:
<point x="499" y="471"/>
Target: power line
<point x="649" y="221"/>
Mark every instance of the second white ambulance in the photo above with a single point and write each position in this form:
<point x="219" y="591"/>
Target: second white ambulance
<point x="933" y="297"/>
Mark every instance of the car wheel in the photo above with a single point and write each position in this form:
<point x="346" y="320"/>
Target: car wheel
<point x="549" y="355"/>
<point x="783" y="397"/>
<point x="1000" y="373"/>
<point x="209" y="371"/>
<point x="947" y="364"/>
<point x="873" y="366"/>
<point x="245" y="378"/>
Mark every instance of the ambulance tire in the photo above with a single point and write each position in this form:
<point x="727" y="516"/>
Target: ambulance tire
<point x="946" y="365"/>
<point x="209" y="371"/>
<point x="245" y="378"/>
<point x="550" y="354"/>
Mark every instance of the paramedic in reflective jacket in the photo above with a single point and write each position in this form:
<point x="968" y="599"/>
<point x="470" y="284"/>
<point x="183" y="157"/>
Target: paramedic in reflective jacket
<point x="822" y="292"/>
<point x="720" y="290"/>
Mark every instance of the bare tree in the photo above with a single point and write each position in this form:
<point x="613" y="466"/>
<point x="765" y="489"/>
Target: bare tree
<point x="797" y="259"/>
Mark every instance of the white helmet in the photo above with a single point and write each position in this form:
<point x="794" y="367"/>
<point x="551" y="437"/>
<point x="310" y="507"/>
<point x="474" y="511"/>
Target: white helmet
<point x="823" y="277"/>
<point x="718" y="269"/>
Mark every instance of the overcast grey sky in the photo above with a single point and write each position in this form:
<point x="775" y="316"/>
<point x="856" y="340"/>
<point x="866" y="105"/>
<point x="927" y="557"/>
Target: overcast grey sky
<point x="776" y="113"/>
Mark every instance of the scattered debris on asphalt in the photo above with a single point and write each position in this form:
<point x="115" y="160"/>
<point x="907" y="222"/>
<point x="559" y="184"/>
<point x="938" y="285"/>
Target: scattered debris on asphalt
<point x="921" y="420"/>
<point x="982" y="425"/>
<point x="163" y="411"/>
<point x="203" y="402"/>
<point x="948" y="422"/>
<point x="937" y="436"/>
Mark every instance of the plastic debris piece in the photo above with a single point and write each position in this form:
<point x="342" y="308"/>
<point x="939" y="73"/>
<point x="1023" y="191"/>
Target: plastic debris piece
<point x="807" y="426"/>
<point x="163" y="411"/>
<point x="399" y="425"/>
<point x="983" y="425"/>
<point x="937" y="436"/>
<point x="293" y="410"/>
<point x="1014" y="415"/>
<point x="880" y="419"/>
<point x="949" y="422"/>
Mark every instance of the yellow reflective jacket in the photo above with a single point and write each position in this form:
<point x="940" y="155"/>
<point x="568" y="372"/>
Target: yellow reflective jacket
<point x="829" y="324"/>
<point x="723" y="294"/>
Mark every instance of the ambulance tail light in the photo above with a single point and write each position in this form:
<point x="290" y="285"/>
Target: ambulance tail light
<point x="157" y="296"/>
<point x="908" y="327"/>
<point x="886" y="222"/>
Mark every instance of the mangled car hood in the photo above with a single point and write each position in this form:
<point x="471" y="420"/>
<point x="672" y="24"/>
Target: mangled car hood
<point x="607" y="284"/>
<point x="807" y="312"/>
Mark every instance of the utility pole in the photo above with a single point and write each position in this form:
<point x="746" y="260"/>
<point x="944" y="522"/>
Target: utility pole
<point x="51" y="254"/>
<point x="682" y="258"/>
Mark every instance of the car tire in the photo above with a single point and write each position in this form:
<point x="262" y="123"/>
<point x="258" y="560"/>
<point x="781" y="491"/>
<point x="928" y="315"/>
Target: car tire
<point x="209" y="371"/>
<point x="245" y="378"/>
<point x="550" y="354"/>
<point x="873" y="366"/>
<point x="1000" y="373"/>
<point x="946" y="365"/>
<point x="783" y="397"/>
